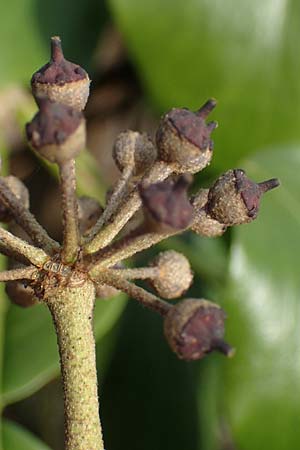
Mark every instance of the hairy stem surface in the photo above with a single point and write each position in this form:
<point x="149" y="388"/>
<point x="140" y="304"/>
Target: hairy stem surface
<point x="13" y="244"/>
<point x="118" y="194"/>
<point x="140" y="273"/>
<point x="126" y="247"/>
<point x="21" y="273"/>
<point x="147" y="299"/>
<point x="72" y="312"/>
<point x="97" y="240"/>
<point x="69" y="210"/>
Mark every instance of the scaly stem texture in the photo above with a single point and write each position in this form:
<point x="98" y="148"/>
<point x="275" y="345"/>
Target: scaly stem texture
<point x="72" y="312"/>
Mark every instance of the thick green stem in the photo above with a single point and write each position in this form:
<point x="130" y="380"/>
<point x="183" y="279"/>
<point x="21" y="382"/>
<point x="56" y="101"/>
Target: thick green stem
<point x="72" y="312"/>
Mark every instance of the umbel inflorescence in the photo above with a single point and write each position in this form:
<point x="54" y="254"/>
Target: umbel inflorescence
<point x="149" y="203"/>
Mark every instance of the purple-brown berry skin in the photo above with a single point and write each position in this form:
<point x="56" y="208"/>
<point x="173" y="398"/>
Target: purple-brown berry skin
<point x="20" y="294"/>
<point x="194" y="328"/>
<point x="183" y="138"/>
<point x="234" y="199"/>
<point x="167" y="203"/>
<point x="57" y="132"/>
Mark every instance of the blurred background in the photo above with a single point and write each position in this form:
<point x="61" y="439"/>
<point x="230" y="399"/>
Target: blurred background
<point x="145" y="57"/>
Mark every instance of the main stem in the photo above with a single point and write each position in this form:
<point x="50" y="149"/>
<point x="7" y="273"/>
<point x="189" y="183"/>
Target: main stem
<point x="72" y="312"/>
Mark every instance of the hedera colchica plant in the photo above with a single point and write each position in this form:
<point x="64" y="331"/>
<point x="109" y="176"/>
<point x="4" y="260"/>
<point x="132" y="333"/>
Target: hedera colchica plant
<point x="150" y="202"/>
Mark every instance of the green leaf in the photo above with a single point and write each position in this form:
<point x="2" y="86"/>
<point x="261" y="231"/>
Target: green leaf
<point x="20" y="60"/>
<point x="149" y="394"/>
<point x="208" y="382"/>
<point x="260" y="385"/>
<point x="26" y="26"/>
<point x="31" y="354"/>
<point x="242" y="54"/>
<point x="17" y="438"/>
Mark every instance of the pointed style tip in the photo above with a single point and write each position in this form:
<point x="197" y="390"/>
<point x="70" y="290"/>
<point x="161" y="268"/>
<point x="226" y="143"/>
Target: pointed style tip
<point x="224" y="348"/>
<point x="207" y="108"/>
<point x="212" y="125"/>
<point x="56" y="49"/>
<point x="267" y="185"/>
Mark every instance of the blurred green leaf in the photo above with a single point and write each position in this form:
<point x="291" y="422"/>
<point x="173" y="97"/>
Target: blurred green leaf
<point x="31" y="353"/>
<point x="29" y="24"/>
<point x="18" y="24"/>
<point x="260" y="385"/>
<point x="149" y="398"/>
<point x="17" y="438"/>
<point x="241" y="52"/>
<point x="208" y="384"/>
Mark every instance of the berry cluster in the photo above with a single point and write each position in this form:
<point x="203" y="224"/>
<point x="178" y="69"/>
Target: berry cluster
<point x="150" y="202"/>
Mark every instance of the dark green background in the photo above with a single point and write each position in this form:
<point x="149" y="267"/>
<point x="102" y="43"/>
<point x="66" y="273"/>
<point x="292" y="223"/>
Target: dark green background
<point x="246" y="54"/>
